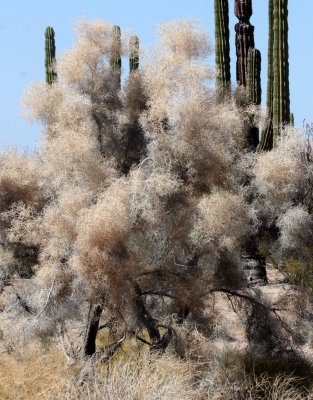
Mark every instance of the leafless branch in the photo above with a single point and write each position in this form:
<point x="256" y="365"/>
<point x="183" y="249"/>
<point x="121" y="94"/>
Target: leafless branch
<point x="48" y="298"/>
<point x="109" y="351"/>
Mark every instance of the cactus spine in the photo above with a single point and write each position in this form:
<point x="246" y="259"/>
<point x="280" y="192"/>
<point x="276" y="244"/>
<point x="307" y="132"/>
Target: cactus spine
<point x="254" y="90"/>
<point x="222" y="57"/>
<point x="281" y="95"/>
<point x="51" y="75"/>
<point x="244" y="38"/>
<point x="116" y="61"/>
<point x="133" y="53"/>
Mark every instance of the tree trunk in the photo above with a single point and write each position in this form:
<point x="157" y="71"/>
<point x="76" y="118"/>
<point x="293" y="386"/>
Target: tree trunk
<point x="93" y="321"/>
<point x="253" y="265"/>
<point x="159" y="343"/>
<point x="145" y="317"/>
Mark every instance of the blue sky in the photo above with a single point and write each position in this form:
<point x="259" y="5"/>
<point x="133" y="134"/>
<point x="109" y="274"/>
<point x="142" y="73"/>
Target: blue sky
<point x="23" y="23"/>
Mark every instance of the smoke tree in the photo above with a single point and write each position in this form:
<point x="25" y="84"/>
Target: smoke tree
<point x="283" y="178"/>
<point x="141" y="198"/>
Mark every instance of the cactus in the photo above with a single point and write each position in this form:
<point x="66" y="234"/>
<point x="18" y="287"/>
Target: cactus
<point x="116" y="61"/>
<point x="292" y="119"/>
<point x="266" y="142"/>
<point x="254" y="91"/>
<point x="281" y="96"/>
<point x="254" y="77"/>
<point x="248" y="66"/>
<point x="244" y="38"/>
<point x="243" y="10"/>
<point x="278" y="96"/>
<point x="51" y="75"/>
<point x="222" y="57"/>
<point x="133" y="54"/>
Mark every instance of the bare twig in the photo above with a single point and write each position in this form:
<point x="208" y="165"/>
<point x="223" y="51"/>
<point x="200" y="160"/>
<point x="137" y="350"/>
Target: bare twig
<point x="143" y="340"/>
<point x="110" y="350"/>
<point x="48" y="298"/>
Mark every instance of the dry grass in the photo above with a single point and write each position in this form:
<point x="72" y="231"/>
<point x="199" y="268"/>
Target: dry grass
<point x="145" y="377"/>
<point x="35" y="375"/>
<point x="141" y="375"/>
<point x="279" y="388"/>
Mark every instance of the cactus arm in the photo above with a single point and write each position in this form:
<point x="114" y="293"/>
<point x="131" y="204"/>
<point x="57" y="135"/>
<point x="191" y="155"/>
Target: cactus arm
<point x="244" y="38"/>
<point x="133" y="54"/>
<point x="115" y="60"/>
<point x="254" y="92"/>
<point x="51" y="75"/>
<point x="292" y="119"/>
<point x="266" y="142"/>
<point x="281" y="96"/>
<point x="222" y="50"/>
<point x="270" y="72"/>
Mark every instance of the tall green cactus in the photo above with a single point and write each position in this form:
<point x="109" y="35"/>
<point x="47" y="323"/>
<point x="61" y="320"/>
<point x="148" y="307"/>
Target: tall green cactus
<point x="51" y="75"/>
<point x="254" y="91"/>
<point x="222" y="57"/>
<point x="266" y="142"/>
<point x="116" y="61"/>
<point x="278" y="95"/>
<point x="292" y="119"/>
<point x="133" y="53"/>
<point x="281" y="94"/>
